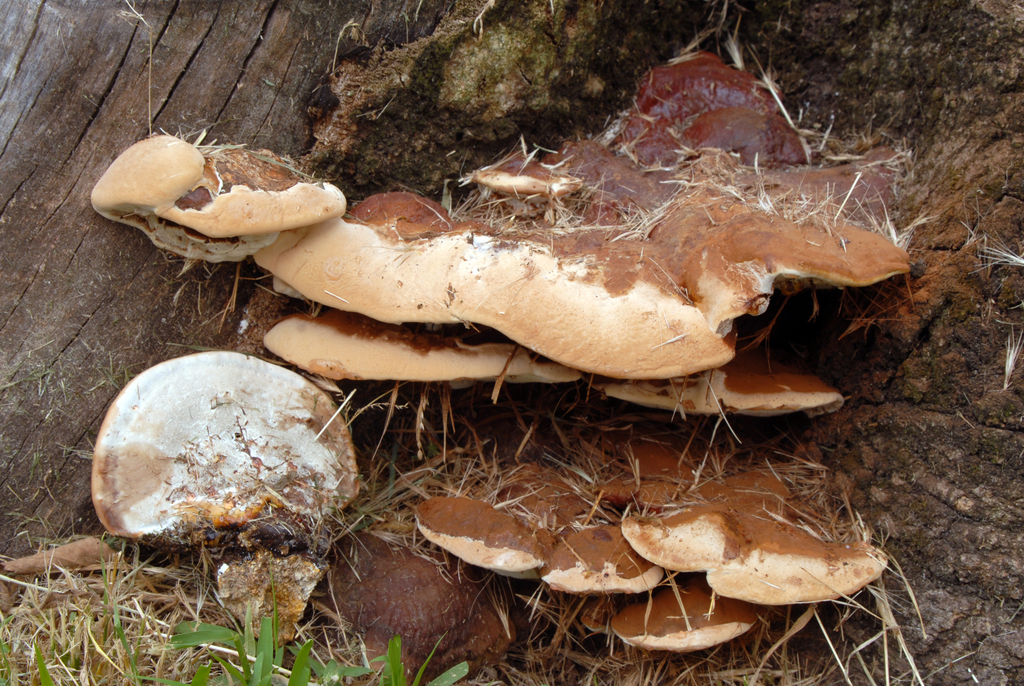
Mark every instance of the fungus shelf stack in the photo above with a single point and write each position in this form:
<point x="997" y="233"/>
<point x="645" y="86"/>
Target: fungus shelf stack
<point x="626" y="261"/>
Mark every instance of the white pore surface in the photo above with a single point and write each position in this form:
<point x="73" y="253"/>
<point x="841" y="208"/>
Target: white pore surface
<point x="217" y="435"/>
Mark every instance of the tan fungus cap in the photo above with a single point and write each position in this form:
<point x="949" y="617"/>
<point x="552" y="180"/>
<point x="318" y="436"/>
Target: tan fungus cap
<point x="752" y="557"/>
<point x="560" y="307"/>
<point x="345" y="345"/>
<point x="481" y="535"/>
<point x="748" y="385"/>
<point x="221" y="206"/>
<point x="663" y="624"/>
<point x="599" y="560"/>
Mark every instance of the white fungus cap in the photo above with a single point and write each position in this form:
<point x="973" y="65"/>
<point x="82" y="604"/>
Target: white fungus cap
<point x="217" y="438"/>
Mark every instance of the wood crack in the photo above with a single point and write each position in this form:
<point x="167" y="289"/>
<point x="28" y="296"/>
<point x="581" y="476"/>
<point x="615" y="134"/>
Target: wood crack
<point x="185" y="70"/>
<point x="248" y="58"/>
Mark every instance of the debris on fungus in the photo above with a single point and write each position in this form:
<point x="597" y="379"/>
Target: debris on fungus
<point x="221" y="205"/>
<point x="235" y="455"/>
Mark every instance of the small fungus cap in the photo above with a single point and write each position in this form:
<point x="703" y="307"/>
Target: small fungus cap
<point x="481" y="535"/>
<point x="662" y="624"/>
<point x="216" y="439"/>
<point x="599" y="560"/>
<point x="747" y="385"/>
<point x="214" y="204"/>
<point x="151" y="174"/>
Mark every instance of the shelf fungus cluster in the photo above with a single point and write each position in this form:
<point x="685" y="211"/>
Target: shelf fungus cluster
<point x="623" y="258"/>
<point x="630" y="306"/>
<point x="235" y="455"/>
<point x="707" y="556"/>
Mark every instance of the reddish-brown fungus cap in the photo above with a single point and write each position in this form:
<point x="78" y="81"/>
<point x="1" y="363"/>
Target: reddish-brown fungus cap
<point x="766" y="139"/>
<point x="481" y="535"/>
<point x="538" y="495"/>
<point x="599" y="560"/>
<point x="663" y="624"/>
<point x="409" y="215"/>
<point x="675" y="92"/>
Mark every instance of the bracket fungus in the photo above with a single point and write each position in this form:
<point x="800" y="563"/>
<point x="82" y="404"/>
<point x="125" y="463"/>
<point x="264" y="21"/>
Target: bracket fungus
<point x="684" y="619"/>
<point x="736" y="533"/>
<point x="343" y="345"/>
<point x="609" y="310"/>
<point x="640" y="287"/>
<point x="598" y="559"/>
<point x="747" y="385"/>
<point x="221" y="205"/>
<point x="541" y="531"/>
<point x="233" y="454"/>
<point x="525" y="184"/>
<point x="485" y="537"/>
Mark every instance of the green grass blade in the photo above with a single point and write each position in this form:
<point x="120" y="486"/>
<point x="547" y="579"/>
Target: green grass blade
<point x="242" y="658"/>
<point x="452" y="675"/>
<point x="265" y="647"/>
<point x="257" y="674"/>
<point x="44" y="674"/>
<point x="332" y="670"/>
<point x="187" y="637"/>
<point x="233" y="672"/>
<point x="202" y="676"/>
<point x="300" y="670"/>
<point x="250" y="640"/>
<point x="394" y="670"/>
<point x="423" y="667"/>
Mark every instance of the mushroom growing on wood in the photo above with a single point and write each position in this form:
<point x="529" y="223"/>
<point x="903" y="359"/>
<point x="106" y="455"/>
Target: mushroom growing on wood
<point x="749" y="551"/>
<point x="747" y="385"/>
<point x="559" y="307"/>
<point x="344" y="345"/>
<point x="598" y="559"/>
<point x="221" y="205"/>
<point x="482" y="536"/>
<point x="610" y="308"/>
<point x="525" y="184"/>
<point x="698" y="622"/>
<point x="228" y="452"/>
